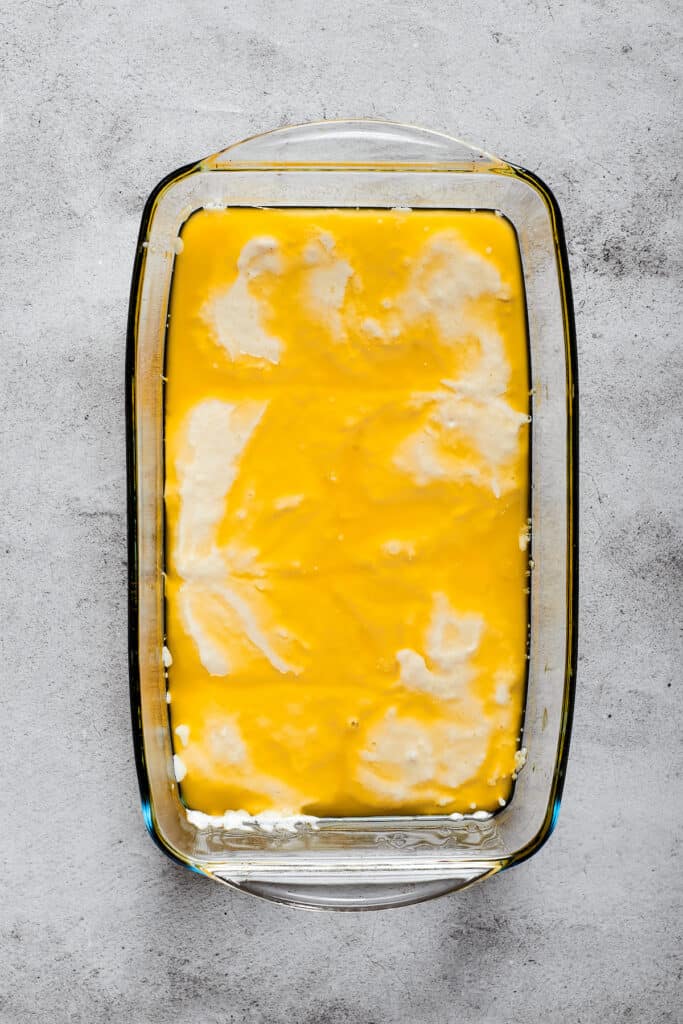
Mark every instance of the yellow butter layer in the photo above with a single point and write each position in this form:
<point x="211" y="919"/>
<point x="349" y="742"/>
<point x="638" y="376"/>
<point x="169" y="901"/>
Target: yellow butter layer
<point x="346" y="511"/>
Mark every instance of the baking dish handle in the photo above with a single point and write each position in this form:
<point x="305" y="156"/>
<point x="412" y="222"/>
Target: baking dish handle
<point x="352" y="143"/>
<point x="355" y="896"/>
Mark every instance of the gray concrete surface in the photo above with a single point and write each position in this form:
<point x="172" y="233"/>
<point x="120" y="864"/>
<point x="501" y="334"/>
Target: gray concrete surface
<point x="100" y="101"/>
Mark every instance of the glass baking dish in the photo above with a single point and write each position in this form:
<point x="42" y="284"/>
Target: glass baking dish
<point x="362" y="863"/>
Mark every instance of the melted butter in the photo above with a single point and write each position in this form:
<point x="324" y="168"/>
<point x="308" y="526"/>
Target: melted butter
<point x="346" y="498"/>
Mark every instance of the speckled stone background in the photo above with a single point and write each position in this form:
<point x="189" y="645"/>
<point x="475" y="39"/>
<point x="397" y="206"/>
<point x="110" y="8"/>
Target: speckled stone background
<point x="102" y="99"/>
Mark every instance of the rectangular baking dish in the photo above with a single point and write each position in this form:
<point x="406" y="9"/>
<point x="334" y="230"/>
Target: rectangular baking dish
<point x="362" y="863"/>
